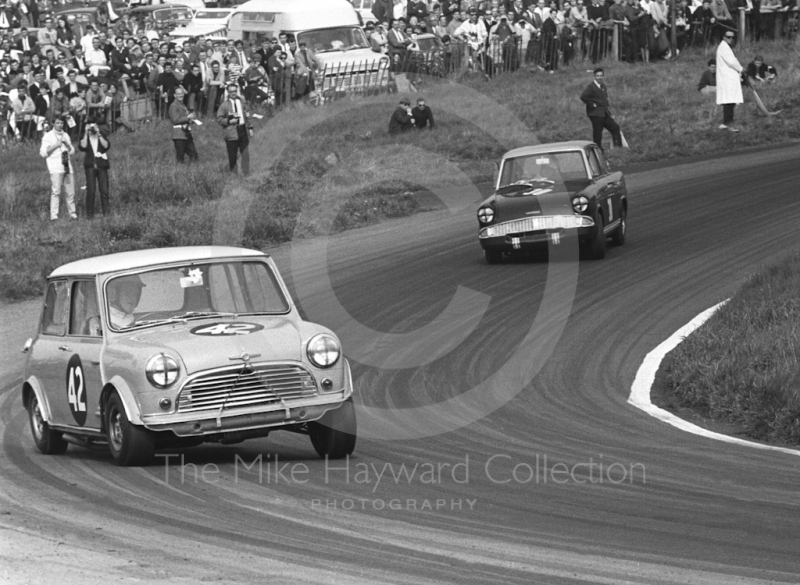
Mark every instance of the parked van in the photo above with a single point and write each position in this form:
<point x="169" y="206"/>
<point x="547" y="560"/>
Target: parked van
<point x="330" y="29"/>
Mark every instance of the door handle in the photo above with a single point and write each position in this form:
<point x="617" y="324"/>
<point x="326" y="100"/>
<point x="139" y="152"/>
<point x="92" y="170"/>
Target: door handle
<point x="63" y="348"/>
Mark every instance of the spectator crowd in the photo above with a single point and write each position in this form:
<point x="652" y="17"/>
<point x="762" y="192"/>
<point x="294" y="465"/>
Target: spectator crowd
<point x="100" y="73"/>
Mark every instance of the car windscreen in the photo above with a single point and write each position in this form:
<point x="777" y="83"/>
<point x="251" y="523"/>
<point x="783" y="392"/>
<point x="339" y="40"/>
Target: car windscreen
<point x="428" y="44"/>
<point x="324" y="40"/>
<point x="193" y="291"/>
<point x="211" y="14"/>
<point x="552" y="168"/>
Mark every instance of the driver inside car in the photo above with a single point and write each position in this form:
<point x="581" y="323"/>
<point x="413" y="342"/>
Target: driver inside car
<point x="123" y="297"/>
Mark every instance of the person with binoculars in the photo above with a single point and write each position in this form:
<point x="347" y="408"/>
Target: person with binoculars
<point x="56" y="149"/>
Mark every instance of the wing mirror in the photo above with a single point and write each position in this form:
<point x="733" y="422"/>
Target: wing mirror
<point x="28" y="345"/>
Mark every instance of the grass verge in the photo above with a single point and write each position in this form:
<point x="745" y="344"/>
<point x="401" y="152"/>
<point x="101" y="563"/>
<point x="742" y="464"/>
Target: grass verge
<point x="347" y="171"/>
<point x="743" y="365"/>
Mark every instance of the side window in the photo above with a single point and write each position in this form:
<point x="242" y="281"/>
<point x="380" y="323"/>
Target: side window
<point x="54" y="319"/>
<point x="594" y="164"/>
<point x="84" y="310"/>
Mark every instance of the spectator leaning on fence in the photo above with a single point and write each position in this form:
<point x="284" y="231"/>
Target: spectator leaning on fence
<point x="56" y="149"/>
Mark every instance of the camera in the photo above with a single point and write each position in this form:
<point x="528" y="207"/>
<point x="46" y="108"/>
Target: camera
<point x="92" y="128"/>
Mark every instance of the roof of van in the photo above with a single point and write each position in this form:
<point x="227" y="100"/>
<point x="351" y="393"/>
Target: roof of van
<point x="313" y="8"/>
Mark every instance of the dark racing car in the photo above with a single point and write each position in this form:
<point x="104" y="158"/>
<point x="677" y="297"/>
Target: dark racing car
<point x="547" y="192"/>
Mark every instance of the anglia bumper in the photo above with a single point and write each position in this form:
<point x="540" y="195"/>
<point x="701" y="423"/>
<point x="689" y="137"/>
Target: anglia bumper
<point x="535" y="230"/>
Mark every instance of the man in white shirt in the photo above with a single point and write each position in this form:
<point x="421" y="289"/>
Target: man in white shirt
<point x="47" y="36"/>
<point x="88" y="38"/>
<point x="56" y="149"/>
<point x="96" y="59"/>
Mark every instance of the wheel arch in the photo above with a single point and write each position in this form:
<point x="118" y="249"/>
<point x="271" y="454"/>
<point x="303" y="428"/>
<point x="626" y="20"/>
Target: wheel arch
<point x="118" y="385"/>
<point x="30" y="388"/>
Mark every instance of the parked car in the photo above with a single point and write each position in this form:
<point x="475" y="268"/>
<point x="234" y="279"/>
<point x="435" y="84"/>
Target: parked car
<point x="364" y="10"/>
<point x="426" y="54"/>
<point x="550" y="191"/>
<point x="209" y="22"/>
<point x="86" y="14"/>
<point x="169" y="16"/>
<point x="175" y="347"/>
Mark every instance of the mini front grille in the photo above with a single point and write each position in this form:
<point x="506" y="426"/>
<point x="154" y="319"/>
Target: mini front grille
<point x="245" y="386"/>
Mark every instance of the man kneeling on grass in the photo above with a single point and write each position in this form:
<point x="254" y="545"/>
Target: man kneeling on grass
<point x="708" y="81"/>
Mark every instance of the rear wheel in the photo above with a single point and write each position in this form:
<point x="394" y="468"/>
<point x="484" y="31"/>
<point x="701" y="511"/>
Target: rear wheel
<point x="618" y="237"/>
<point x="334" y="435"/>
<point x="47" y="442"/>
<point x="130" y="445"/>
<point x="597" y="247"/>
<point x="493" y="256"/>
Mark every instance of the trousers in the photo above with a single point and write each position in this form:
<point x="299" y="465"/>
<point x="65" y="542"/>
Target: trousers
<point x="240" y="145"/>
<point x="96" y="179"/>
<point x="183" y="148"/>
<point x="609" y="124"/>
<point x="58" y="180"/>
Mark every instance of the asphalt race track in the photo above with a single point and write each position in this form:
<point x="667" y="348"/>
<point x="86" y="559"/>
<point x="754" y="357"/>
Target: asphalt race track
<point x="566" y="483"/>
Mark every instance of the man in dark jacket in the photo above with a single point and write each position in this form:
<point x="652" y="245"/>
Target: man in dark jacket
<point x="423" y="115"/>
<point x="595" y="96"/>
<point x="237" y="129"/>
<point x="401" y="119"/>
<point x="382" y="10"/>
<point x="95" y="164"/>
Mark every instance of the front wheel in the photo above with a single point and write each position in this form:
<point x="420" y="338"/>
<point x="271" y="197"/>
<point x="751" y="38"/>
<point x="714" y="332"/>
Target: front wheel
<point x="334" y="435"/>
<point x="597" y="247"/>
<point x="130" y="445"/>
<point x="47" y="442"/>
<point x="619" y="234"/>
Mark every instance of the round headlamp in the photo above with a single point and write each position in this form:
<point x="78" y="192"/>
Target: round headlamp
<point x="580" y="204"/>
<point x="485" y="214"/>
<point x="162" y="370"/>
<point x="323" y="350"/>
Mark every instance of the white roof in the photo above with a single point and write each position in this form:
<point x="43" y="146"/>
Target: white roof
<point x="545" y="148"/>
<point x="146" y="258"/>
<point x="302" y="15"/>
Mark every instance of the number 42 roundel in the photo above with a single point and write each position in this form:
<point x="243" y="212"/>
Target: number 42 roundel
<point x="76" y="389"/>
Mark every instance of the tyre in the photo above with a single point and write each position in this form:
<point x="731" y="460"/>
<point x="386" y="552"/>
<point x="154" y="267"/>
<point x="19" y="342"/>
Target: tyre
<point x="130" y="445"/>
<point x="597" y="247"/>
<point x="493" y="256"/>
<point x="334" y="435"/>
<point x="47" y="442"/>
<point x="618" y="237"/>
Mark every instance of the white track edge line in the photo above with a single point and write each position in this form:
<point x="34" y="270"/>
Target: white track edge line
<point x="646" y="375"/>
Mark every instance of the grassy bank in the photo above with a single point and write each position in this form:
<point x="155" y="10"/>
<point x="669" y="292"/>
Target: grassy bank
<point x="337" y="168"/>
<point x="743" y="365"/>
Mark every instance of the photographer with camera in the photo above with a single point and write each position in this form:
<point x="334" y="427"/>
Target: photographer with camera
<point x="95" y="144"/>
<point x="238" y="129"/>
<point x="56" y="149"/>
<point x="182" y="121"/>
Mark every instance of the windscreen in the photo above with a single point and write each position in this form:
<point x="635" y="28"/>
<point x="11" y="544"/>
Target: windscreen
<point x="334" y="39"/>
<point x="193" y="291"/>
<point x="553" y="168"/>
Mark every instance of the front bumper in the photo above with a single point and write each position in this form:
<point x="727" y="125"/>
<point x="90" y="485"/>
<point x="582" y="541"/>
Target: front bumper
<point x="535" y="231"/>
<point x="292" y="412"/>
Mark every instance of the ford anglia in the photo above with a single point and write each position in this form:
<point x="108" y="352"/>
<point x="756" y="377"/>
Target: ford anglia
<point x="547" y="192"/>
<point x="175" y="347"/>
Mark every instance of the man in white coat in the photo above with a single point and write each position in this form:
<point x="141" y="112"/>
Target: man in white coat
<point x="729" y="83"/>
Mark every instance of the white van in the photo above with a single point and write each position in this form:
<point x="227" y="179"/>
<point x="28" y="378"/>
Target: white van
<point x="330" y="29"/>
